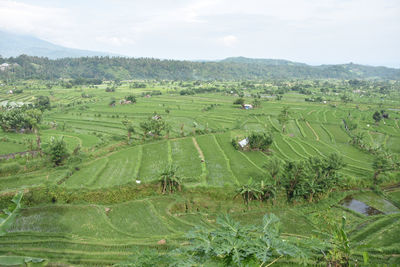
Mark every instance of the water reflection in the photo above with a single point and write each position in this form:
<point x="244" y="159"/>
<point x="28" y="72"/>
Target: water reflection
<point x="359" y="206"/>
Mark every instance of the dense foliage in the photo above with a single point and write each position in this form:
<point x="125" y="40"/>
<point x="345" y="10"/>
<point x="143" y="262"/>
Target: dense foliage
<point x="20" y="119"/>
<point x="308" y="178"/>
<point x="95" y="68"/>
<point x="154" y="126"/>
<point x="260" y="141"/>
<point x="42" y="102"/>
<point x="231" y="244"/>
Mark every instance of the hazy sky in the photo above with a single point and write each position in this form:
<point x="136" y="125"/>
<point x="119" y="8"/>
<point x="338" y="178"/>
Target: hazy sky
<point x="310" y="31"/>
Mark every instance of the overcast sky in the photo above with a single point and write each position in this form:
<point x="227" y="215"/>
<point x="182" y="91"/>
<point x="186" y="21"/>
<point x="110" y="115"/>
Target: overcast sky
<point x="310" y="31"/>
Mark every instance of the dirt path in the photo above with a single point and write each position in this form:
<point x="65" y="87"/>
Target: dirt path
<point x="204" y="172"/>
<point x="198" y="149"/>
<point x="316" y="135"/>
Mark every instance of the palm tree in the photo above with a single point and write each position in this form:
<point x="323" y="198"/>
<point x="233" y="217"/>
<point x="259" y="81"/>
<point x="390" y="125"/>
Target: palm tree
<point x="170" y="182"/>
<point x="274" y="169"/>
<point x="249" y="192"/>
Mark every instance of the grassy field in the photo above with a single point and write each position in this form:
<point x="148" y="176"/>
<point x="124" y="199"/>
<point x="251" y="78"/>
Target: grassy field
<point x="94" y="231"/>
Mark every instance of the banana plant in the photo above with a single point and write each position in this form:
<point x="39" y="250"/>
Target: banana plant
<point x="169" y="180"/>
<point x="9" y="214"/>
<point x="249" y="192"/>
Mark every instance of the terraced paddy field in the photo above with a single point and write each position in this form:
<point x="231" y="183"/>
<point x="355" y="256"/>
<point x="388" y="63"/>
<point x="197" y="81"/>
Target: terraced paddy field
<point x="104" y="205"/>
<point x="95" y="234"/>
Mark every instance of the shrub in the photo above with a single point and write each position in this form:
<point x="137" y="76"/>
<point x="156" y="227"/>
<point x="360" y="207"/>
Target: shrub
<point x="261" y="141"/>
<point x="131" y="98"/>
<point x="17" y="119"/>
<point x="235" y="143"/>
<point x="42" y="102"/>
<point x="239" y="101"/>
<point x="186" y="92"/>
<point x="57" y="151"/>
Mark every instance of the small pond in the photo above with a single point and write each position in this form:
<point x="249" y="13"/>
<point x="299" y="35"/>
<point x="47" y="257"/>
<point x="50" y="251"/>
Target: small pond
<point x="359" y="206"/>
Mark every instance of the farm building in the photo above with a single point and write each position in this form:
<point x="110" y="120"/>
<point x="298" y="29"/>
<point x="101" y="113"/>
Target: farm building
<point x="12" y="104"/>
<point x="4" y="66"/>
<point x="243" y="142"/>
<point x="247" y="106"/>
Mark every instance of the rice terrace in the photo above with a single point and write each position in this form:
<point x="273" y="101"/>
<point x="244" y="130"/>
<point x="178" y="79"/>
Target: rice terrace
<point x="112" y="179"/>
<point x="170" y="150"/>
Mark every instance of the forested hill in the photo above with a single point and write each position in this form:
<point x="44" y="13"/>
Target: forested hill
<point x="111" y="68"/>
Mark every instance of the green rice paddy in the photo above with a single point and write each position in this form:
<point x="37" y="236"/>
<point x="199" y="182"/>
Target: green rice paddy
<point x="96" y="232"/>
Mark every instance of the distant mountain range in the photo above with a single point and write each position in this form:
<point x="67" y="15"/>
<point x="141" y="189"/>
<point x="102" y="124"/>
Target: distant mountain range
<point x="13" y="45"/>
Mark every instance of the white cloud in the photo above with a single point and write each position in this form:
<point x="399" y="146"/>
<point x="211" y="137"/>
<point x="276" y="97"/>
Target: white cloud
<point x="228" y="40"/>
<point x="313" y="31"/>
<point x="115" y="41"/>
<point x="32" y="19"/>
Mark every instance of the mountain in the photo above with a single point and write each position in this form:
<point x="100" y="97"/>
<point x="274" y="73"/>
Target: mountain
<point x="13" y="45"/>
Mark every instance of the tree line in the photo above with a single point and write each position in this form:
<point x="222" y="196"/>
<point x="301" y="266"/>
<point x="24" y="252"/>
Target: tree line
<point x="112" y="68"/>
